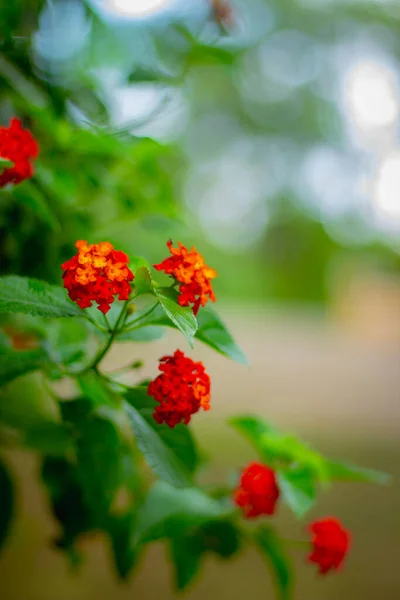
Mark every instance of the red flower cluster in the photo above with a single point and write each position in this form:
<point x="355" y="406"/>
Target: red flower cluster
<point x="331" y="543"/>
<point x="258" y="491"/>
<point x="18" y="146"/>
<point x="97" y="273"/>
<point x="190" y="270"/>
<point x="181" y="389"/>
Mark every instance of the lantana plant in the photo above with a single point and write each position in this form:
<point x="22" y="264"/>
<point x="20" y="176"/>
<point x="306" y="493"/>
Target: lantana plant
<point x="120" y="458"/>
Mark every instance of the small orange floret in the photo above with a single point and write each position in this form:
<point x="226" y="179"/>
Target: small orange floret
<point x="181" y="390"/>
<point x="18" y="146"/>
<point x="97" y="273"/>
<point x="190" y="270"/>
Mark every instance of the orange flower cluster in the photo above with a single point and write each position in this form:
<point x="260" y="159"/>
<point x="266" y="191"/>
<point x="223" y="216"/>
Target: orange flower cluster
<point x="18" y="146"/>
<point x="190" y="270"/>
<point x="331" y="543"/>
<point x="181" y="390"/>
<point x="258" y="491"/>
<point x="97" y="273"/>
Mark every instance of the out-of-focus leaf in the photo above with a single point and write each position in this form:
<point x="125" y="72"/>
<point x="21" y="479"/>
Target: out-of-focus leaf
<point x="34" y="297"/>
<point x="298" y="489"/>
<point x="179" y="439"/>
<point x="67" y="499"/>
<point x="181" y="316"/>
<point x="6" y="503"/>
<point x="14" y="363"/>
<point x="212" y="331"/>
<point x="278" y="561"/>
<point x="278" y="449"/>
<point x="168" y="510"/>
<point x="29" y="195"/>
<point x="158" y="455"/>
<point x="5" y="164"/>
<point x="342" y="471"/>
<point x="186" y="553"/>
<point x="99" y="465"/>
<point x="67" y="340"/>
<point x="95" y="389"/>
<point x="220" y="537"/>
<point x="121" y="529"/>
<point x="48" y="438"/>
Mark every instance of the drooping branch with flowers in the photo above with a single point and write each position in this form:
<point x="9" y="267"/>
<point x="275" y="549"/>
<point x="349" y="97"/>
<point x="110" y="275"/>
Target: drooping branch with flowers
<point x="112" y="436"/>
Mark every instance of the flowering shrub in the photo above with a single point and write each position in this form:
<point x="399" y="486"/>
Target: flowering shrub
<point x="111" y="436"/>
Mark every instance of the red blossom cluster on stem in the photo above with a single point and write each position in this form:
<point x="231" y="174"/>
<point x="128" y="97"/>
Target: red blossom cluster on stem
<point x="18" y="146"/>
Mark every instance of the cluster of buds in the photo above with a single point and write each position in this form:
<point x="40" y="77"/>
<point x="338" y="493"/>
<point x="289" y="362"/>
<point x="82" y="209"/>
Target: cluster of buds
<point x="258" y="494"/>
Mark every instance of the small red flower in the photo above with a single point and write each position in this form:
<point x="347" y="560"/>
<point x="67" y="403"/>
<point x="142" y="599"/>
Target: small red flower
<point x="18" y="146"/>
<point x="258" y="491"/>
<point x="97" y="273"/>
<point x="331" y="543"/>
<point x="181" y="390"/>
<point x="190" y="270"/>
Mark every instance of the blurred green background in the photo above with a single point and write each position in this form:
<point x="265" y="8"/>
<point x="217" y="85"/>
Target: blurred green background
<point x="265" y="132"/>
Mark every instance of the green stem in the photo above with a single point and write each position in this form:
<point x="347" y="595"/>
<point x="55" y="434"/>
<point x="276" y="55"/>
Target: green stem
<point x="101" y="354"/>
<point x="139" y="319"/>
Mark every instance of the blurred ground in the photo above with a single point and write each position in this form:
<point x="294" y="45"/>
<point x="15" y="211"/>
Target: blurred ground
<point x="338" y="389"/>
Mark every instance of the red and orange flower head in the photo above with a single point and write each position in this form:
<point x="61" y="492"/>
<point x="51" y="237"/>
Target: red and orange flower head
<point x="258" y="491"/>
<point x="190" y="270"/>
<point x="331" y="542"/>
<point x="181" y="390"/>
<point x="97" y="273"/>
<point x="18" y="146"/>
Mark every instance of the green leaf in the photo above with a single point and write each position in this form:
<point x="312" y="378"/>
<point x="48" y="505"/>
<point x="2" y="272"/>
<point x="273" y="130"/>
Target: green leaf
<point x="257" y="431"/>
<point x="67" y="499"/>
<point x="220" y="537"/>
<point x="144" y="334"/>
<point x="48" y="438"/>
<point x="29" y="195"/>
<point x="5" y="163"/>
<point x="6" y="503"/>
<point x="298" y="489"/>
<point x="67" y="340"/>
<point x="34" y="297"/>
<point x="186" y="554"/>
<point x="168" y="510"/>
<point x="143" y="281"/>
<point x="278" y="449"/>
<point x="212" y="331"/>
<point x="95" y="389"/>
<point x="15" y="363"/>
<point x="179" y="439"/>
<point x="99" y="464"/>
<point x="342" y="471"/>
<point x="272" y="549"/>
<point x="137" y="262"/>
<point x="181" y="316"/>
<point x="121" y="530"/>
<point x="158" y="455"/>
